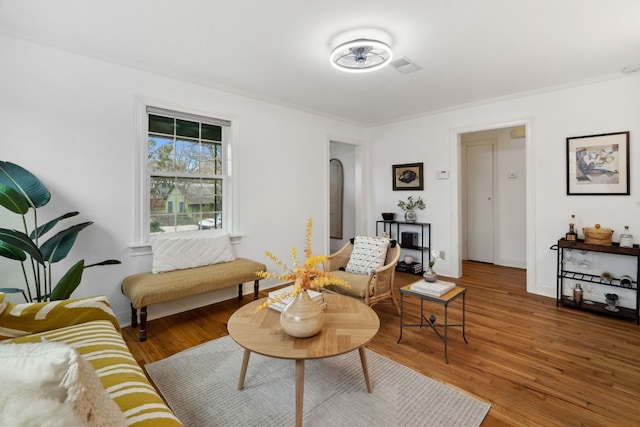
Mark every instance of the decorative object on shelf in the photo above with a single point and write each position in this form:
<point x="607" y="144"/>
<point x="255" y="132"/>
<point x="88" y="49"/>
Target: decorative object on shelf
<point x="626" y="281"/>
<point x="408" y="177"/>
<point x="409" y="208"/>
<point x="606" y="277"/>
<point x="408" y="259"/>
<point x="388" y="216"/>
<point x="577" y="294"/>
<point x="572" y="236"/>
<point x="306" y="276"/>
<point x="626" y="238"/>
<point x="20" y="192"/>
<point x="597" y="235"/>
<point x="430" y="275"/>
<point x="598" y="164"/>
<point x="612" y="300"/>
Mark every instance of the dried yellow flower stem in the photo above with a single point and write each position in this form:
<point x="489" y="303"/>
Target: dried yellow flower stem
<point x="305" y="276"/>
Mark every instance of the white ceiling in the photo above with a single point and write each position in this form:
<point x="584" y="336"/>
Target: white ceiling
<point x="278" y="50"/>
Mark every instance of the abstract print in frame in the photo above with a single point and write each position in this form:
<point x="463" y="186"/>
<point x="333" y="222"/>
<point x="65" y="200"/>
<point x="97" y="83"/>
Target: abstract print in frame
<point x="598" y="164"/>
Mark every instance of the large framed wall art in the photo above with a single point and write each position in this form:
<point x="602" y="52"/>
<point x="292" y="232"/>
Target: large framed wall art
<point x="598" y="165"/>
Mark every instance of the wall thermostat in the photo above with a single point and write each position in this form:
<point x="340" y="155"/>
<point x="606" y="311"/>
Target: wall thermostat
<point x="442" y="174"/>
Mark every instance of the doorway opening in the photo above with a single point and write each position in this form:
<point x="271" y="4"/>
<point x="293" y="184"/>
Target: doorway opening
<point x="493" y="196"/>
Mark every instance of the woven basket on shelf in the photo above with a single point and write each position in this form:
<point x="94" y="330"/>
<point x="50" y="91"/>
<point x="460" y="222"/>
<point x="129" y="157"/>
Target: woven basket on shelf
<point x="597" y="235"/>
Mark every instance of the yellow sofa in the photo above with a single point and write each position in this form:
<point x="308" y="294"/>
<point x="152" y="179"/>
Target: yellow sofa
<point x="89" y="326"/>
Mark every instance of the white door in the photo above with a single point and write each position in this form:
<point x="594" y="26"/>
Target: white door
<point x="479" y="161"/>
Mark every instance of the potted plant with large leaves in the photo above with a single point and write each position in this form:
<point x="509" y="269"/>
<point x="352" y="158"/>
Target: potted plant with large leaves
<point x="21" y="192"/>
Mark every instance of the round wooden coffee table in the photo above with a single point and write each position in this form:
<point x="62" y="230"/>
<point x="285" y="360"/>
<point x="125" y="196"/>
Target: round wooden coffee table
<point x="349" y="325"/>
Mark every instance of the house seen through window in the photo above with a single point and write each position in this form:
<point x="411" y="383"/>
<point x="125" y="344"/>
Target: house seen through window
<point x="185" y="166"/>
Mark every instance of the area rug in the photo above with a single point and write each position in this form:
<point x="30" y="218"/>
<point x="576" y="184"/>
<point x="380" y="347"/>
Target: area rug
<point x="201" y="386"/>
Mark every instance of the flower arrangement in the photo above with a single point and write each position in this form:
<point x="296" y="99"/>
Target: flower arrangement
<point x="305" y="275"/>
<point x="435" y="255"/>
<point x="411" y="204"/>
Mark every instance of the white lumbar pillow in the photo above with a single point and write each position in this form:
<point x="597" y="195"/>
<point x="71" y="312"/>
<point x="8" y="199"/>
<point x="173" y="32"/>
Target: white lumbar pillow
<point x="28" y="405"/>
<point x="368" y="254"/>
<point x="61" y="374"/>
<point x="177" y="253"/>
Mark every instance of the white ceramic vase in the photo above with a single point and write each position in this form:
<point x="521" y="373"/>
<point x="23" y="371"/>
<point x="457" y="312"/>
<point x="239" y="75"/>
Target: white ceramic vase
<point x="302" y="317"/>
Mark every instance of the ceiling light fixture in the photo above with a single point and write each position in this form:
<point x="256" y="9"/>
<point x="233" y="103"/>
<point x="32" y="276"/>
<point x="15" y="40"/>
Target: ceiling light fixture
<point x="361" y="55"/>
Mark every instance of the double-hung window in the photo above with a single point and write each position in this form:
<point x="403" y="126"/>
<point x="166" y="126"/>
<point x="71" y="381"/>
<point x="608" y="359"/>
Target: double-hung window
<point x="186" y="162"/>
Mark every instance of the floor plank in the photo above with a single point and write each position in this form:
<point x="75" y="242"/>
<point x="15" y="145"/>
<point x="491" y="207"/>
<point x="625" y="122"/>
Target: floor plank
<point x="537" y="364"/>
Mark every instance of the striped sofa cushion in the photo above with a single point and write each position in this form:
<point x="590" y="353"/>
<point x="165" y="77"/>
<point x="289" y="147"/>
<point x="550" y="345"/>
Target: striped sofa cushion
<point x="121" y="376"/>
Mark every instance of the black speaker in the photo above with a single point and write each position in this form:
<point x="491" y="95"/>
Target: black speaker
<point x="410" y="239"/>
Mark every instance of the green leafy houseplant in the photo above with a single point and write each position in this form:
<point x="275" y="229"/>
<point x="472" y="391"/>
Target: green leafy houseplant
<point x="22" y="192"/>
<point x="411" y="204"/>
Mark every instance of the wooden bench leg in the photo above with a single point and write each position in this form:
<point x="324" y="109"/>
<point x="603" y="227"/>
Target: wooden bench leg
<point x="256" y="288"/>
<point x="240" y="292"/>
<point x="143" y="323"/>
<point x="134" y="317"/>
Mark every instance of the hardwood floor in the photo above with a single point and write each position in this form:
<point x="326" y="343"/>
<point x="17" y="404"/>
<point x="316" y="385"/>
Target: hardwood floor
<point x="538" y="365"/>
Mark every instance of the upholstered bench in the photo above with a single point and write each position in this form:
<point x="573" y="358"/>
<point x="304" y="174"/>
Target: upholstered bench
<point x="145" y="289"/>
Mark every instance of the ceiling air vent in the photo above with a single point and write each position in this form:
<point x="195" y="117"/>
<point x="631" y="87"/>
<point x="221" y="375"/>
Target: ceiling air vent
<point x="404" y="65"/>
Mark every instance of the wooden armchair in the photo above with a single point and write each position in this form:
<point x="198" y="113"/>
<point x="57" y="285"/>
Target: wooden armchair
<point x="370" y="288"/>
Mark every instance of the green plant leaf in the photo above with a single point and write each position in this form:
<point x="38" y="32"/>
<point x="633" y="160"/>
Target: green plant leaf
<point x="105" y="262"/>
<point x="49" y="225"/>
<point x="11" y="252"/>
<point x="21" y="241"/>
<point x="68" y="283"/>
<point x="12" y="200"/>
<point x="58" y="247"/>
<point x="25" y="183"/>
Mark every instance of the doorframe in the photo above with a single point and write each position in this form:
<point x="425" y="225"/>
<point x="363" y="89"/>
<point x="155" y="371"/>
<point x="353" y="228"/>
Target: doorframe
<point x="455" y="149"/>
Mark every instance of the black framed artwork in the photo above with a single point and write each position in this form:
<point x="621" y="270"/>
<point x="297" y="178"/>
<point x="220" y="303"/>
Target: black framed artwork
<point x="598" y="165"/>
<point x="408" y="177"/>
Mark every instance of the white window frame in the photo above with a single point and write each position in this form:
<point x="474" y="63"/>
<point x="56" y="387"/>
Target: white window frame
<point x="142" y="239"/>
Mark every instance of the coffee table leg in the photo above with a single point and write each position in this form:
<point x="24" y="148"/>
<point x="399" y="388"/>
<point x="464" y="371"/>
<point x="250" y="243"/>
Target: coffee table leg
<point x="243" y="370"/>
<point x="365" y="368"/>
<point x="299" y="390"/>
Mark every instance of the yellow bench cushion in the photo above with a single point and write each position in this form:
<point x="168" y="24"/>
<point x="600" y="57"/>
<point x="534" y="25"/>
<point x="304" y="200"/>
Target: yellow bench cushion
<point x="145" y="289"/>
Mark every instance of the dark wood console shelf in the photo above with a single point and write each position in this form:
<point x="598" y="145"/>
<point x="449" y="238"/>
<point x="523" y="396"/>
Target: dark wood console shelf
<point x="592" y="306"/>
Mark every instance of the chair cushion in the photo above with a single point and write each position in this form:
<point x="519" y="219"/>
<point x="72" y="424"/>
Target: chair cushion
<point x="368" y="254"/>
<point x="357" y="284"/>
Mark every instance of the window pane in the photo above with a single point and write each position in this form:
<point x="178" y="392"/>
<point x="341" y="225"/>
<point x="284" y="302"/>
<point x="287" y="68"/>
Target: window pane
<point x="210" y="159"/>
<point x="187" y="128"/>
<point x="187" y="154"/>
<point x="211" y="132"/>
<point x="160" y="124"/>
<point x="159" y="154"/>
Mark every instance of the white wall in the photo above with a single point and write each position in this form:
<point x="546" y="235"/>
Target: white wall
<point x="600" y="107"/>
<point x="69" y="119"/>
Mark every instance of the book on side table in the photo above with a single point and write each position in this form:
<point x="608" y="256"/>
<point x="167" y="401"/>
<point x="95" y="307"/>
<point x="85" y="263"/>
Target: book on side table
<point x="280" y="305"/>
<point x="435" y="289"/>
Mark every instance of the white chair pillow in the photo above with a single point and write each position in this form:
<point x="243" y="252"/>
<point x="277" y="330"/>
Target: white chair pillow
<point x="178" y="253"/>
<point x="368" y="254"/>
